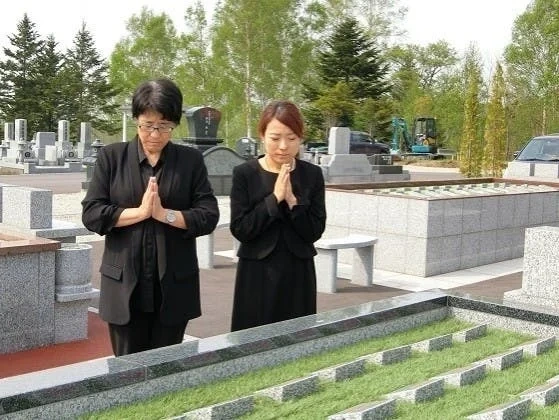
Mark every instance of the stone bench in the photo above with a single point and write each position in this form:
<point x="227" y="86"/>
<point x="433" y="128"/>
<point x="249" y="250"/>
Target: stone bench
<point x="205" y="247"/>
<point x="326" y="261"/>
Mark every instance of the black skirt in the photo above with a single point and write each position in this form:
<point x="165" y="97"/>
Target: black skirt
<point x="278" y="287"/>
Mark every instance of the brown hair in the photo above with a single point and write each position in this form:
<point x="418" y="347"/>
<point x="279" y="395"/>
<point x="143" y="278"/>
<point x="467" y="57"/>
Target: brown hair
<point x="286" y="112"/>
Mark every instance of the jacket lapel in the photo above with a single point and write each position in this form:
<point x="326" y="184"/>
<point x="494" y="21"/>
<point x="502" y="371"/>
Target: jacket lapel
<point x="167" y="174"/>
<point x="165" y="185"/>
<point x="134" y="168"/>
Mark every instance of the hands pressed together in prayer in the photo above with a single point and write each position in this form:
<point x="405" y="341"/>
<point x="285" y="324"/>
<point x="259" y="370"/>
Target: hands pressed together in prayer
<point x="151" y="202"/>
<point x="149" y="207"/>
<point x="283" y="189"/>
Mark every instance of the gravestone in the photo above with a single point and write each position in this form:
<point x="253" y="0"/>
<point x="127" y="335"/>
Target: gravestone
<point x="84" y="145"/>
<point x="203" y="122"/>
<point x="9" y="132"/>
<point x="220" y="162"/>
<point x="247" y="147"/>
<point x="20" y="128"/>
<point x="8" y="136"/>
<point x="43" y="139"/>
<point x="64" y="148"/>
<point x="51" y="155"/>
<point x="89" y="163"/>
<point x="338" y="141"/>
<point x="341" y="167"/>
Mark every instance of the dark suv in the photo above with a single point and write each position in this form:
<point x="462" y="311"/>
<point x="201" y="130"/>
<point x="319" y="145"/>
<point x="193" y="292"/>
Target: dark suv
<point x="359" y="142"/>
<point x="540" y="148"/>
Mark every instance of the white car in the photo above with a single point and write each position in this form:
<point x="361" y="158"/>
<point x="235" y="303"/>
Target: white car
<point x="538" y="159"/>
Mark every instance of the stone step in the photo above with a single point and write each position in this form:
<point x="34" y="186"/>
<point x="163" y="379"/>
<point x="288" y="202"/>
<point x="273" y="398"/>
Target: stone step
<point x="543" y="395"/>
<point x="423" y="391"/>
<point x="470" y="334"/>
<point x="290" y="390"/>
<point x="225" y="410"/>
<point x="377" y="410"/>
<point x="516" y="410"/>
<point x="539" y="346"/>
<point x="433" y="344"/>
<point x="504" y="360"/>
<point x="386" y="357"/>
<point x="342" y="371"/>
<point x="464" y="376"/>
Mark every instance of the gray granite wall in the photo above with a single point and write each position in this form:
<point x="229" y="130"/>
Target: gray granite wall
<point x="44" y="293"/>
<point x="425" y="237"/>
<point x="26" y="301"/>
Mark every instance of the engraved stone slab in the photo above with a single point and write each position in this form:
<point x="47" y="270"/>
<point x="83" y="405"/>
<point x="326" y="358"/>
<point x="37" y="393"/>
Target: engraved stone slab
<point x="338" y="140"/>
<point x="389" y="356"/>
<point x="543" y="395"/>
<point x="226" y="410"/>
<point x="470" y="334"/>
<point x="292" y="389"/>
<point x="509" y="411"/>
<point x="465" y="376"/>
<point x="368" y="411"/>
<point x="433" y="344"/>
<point x="539" y="346"/>
<point x="504" y="361"/>
<point x="424" y="391"/>
<point x="342" y="371"/>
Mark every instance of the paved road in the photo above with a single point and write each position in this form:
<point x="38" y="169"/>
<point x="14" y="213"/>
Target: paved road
<point x="71" y="182"/>
<point x="57" y="183"/>
<point x="424" y="173"/>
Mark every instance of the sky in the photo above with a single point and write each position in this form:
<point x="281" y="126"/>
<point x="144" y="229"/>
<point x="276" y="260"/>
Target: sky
<point x="488" y="23"/>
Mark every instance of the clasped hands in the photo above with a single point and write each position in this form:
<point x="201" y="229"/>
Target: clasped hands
<point x="283" y="189"/>
<point x="151" y="202"/>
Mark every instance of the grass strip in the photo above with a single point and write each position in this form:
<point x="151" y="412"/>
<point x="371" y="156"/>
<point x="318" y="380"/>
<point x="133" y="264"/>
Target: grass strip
<point x="498" y="387"/>
<point x="381" y="380"/>
<point x="377" y="381"/>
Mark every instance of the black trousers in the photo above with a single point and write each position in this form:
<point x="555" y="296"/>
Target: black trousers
<point x="144" y="332"/>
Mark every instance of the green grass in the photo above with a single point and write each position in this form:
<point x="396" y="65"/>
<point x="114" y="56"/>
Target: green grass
<point x="376" y="382"/>
<point x="496" y="388"/>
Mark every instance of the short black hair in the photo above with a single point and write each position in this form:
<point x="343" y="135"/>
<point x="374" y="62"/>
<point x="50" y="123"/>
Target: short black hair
<point x="159" y="95"/>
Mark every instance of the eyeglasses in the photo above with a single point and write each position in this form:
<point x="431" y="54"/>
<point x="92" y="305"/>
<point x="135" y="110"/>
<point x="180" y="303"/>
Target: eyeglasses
<point x="150" y="128"/>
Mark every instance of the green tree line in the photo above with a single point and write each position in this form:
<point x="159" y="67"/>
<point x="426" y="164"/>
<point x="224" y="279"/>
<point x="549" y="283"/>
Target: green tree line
<point x="342" y="60"/>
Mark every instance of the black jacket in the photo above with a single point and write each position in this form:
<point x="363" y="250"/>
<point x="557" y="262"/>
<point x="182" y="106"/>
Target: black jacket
<point x="116" y="184"/>
<point x="257" y="220"/>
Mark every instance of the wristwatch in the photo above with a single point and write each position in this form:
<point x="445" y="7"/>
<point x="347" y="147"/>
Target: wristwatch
<point x="170" y="216"/>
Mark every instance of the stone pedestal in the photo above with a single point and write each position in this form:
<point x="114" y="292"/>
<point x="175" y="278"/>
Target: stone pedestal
<point x="27" y="290"/>
<point x="541" y="268"/>
<point x="73" y="292"/>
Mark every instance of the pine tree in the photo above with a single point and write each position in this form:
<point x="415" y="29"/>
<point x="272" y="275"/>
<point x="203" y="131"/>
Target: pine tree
<point x="89" y="95"/>
<point x="351" y="58"/>
<point x="50" y="86"/>
<point x="20" y="73"/>
<point x="494" y="155"/>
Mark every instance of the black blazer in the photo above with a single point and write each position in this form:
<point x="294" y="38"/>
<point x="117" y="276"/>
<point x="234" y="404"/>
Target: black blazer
<point x="257" y="220"/>
<point x="116" y="184"/>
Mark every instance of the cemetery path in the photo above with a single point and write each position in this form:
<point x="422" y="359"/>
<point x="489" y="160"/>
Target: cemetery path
<point x="58" y="183"/>
<point x="217" y="292"/>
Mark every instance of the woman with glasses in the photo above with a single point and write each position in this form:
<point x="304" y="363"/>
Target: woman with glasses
<point x="277" y="213"/>
<point x="150" y="199"/>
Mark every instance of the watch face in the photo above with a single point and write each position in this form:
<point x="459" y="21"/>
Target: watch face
<point x="170" y="216"/>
